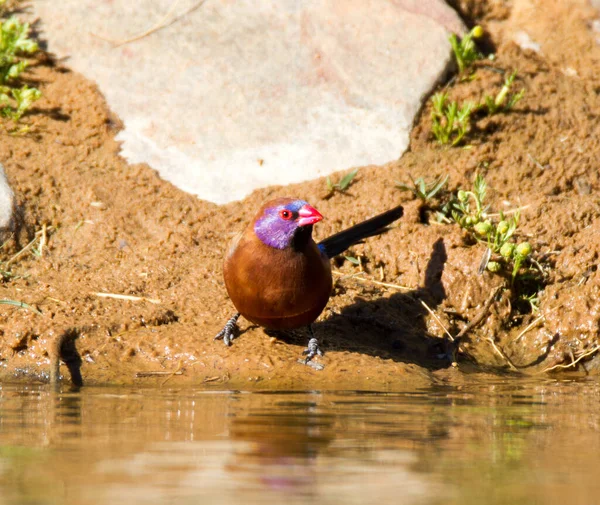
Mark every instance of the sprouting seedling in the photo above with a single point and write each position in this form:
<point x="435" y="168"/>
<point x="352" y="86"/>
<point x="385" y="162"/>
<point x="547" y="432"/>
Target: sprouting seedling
<point x="344" y="183"/>
<point x="449" y="123"/>
<point x="15" y="101"/>
<point x="519" y="255"/>
<point x="23" y="98"/>
<point x="467" y="207"/>
<point x="14" y="40"/>
<point x="353" y="260"/>
<point x="468" y="210"/>
<point x="533" y="299"/>
<point x="504" y="100"/>
<point x="425" y="191"/>
<point x="465" y="51"/>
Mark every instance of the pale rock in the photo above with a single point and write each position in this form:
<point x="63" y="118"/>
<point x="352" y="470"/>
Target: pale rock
<point x="524" y="41"/>
<point x="228" y="96"/>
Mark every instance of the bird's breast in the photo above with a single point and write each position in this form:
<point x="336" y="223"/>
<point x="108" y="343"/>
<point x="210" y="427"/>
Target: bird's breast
<point x="278" y="289"/>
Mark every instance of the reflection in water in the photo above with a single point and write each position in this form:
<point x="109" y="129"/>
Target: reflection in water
<point x="488" y="442"/>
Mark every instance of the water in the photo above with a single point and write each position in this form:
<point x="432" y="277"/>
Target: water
<point x="489" y="442"/>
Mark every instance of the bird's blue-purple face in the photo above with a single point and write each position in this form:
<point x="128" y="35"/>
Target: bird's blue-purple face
<point x="279" y="223"/>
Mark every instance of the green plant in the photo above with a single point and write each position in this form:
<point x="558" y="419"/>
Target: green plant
<point x="23" y="98"/>
<point x="467" y="209"/>
<point x="449" y="124"/>
<point x="425" y="191"/>
<point x="343" y="184"/>
<point x="465" y="51"/>
<point x="533" y="299"/>
<point x="21" y="305"/>
<point x="353" y="260"/>
<point x="15" y="42"/>
<point x="504" y="100"/>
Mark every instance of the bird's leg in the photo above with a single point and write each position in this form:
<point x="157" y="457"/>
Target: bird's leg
<point x="312" y="349"/>
<point x="227" y="333"/>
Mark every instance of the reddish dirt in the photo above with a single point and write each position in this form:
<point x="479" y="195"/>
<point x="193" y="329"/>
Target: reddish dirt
<point x="115" y="228"/>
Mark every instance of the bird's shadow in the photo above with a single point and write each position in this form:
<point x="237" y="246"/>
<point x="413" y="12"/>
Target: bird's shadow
<point x="393" y="327"/>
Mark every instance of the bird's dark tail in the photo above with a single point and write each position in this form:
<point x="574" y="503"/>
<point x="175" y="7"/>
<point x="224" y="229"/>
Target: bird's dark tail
<point x="338" y="243"/>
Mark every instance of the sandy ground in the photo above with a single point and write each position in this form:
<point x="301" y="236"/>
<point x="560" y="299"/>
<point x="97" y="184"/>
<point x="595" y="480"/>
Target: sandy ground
<point x="114" y="228"/>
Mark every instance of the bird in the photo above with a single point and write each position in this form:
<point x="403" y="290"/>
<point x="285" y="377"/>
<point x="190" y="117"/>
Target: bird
<point x="278" y="277"/>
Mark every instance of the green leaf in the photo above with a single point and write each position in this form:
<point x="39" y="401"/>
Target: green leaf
<point x="329" y="184"/>
<point x="347" y="180"/>
<point x="21" y="305"/>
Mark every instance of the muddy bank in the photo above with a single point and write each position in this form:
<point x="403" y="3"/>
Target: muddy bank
<point x="102" y="226"/>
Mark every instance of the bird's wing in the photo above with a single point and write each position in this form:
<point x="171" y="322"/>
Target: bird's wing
<point x="338" y="243"/>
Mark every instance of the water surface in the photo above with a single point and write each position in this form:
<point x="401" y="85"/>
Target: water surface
<point x="490" y="442"/>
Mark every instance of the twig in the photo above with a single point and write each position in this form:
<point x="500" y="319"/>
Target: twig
<point x="589" y="353"/>
<point x="153" y="373"/>
<point x="434" y="315"/>
<point x="125" y="297"/>
<point x="482" y="313"/>
<point x="223" y="378"/>
<point x="163" y="23"/>
<point x="501" y="353"/>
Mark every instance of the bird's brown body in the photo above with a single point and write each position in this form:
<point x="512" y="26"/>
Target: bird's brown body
<point x="278" y="277"/>
<point x="279" y="289"/>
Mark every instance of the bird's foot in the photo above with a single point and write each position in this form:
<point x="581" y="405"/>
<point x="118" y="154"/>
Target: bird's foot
<point x="312" y="350"/>
<point x="228" y="331"/>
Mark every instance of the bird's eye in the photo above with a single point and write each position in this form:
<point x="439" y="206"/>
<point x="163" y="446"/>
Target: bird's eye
<point x="285" y="214"/>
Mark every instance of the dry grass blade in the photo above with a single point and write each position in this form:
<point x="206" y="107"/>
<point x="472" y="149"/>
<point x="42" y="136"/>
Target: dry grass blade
<point x="129" y="298"/>
<point x="372" y="281"/>
<point x="509" y="212"/>
<point x="43" y="240"/>
<point x="40" y="235"/>
<point x="573" y="363"/>
<point x="531" y="325"/>
<point x="152" y="373"/>
<point x="501" y="353"/>
<point x="21" y="252"/>
<point x="434" y="315"/>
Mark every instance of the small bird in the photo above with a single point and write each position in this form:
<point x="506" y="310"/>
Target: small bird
<point x="277" y="276"/>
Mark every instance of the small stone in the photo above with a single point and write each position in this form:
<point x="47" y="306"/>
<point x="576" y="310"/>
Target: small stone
<point x="7" y="207"/>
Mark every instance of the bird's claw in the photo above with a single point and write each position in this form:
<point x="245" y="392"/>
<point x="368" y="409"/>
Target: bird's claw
<point x="228" y="331"/>
<point x="312" y="350"/>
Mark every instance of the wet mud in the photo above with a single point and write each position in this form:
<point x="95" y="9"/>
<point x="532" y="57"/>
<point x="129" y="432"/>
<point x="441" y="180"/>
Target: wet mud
<point x="91" y="224"/>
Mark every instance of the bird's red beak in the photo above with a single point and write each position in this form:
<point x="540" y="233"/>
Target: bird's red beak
<point x="308" y="215"/>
